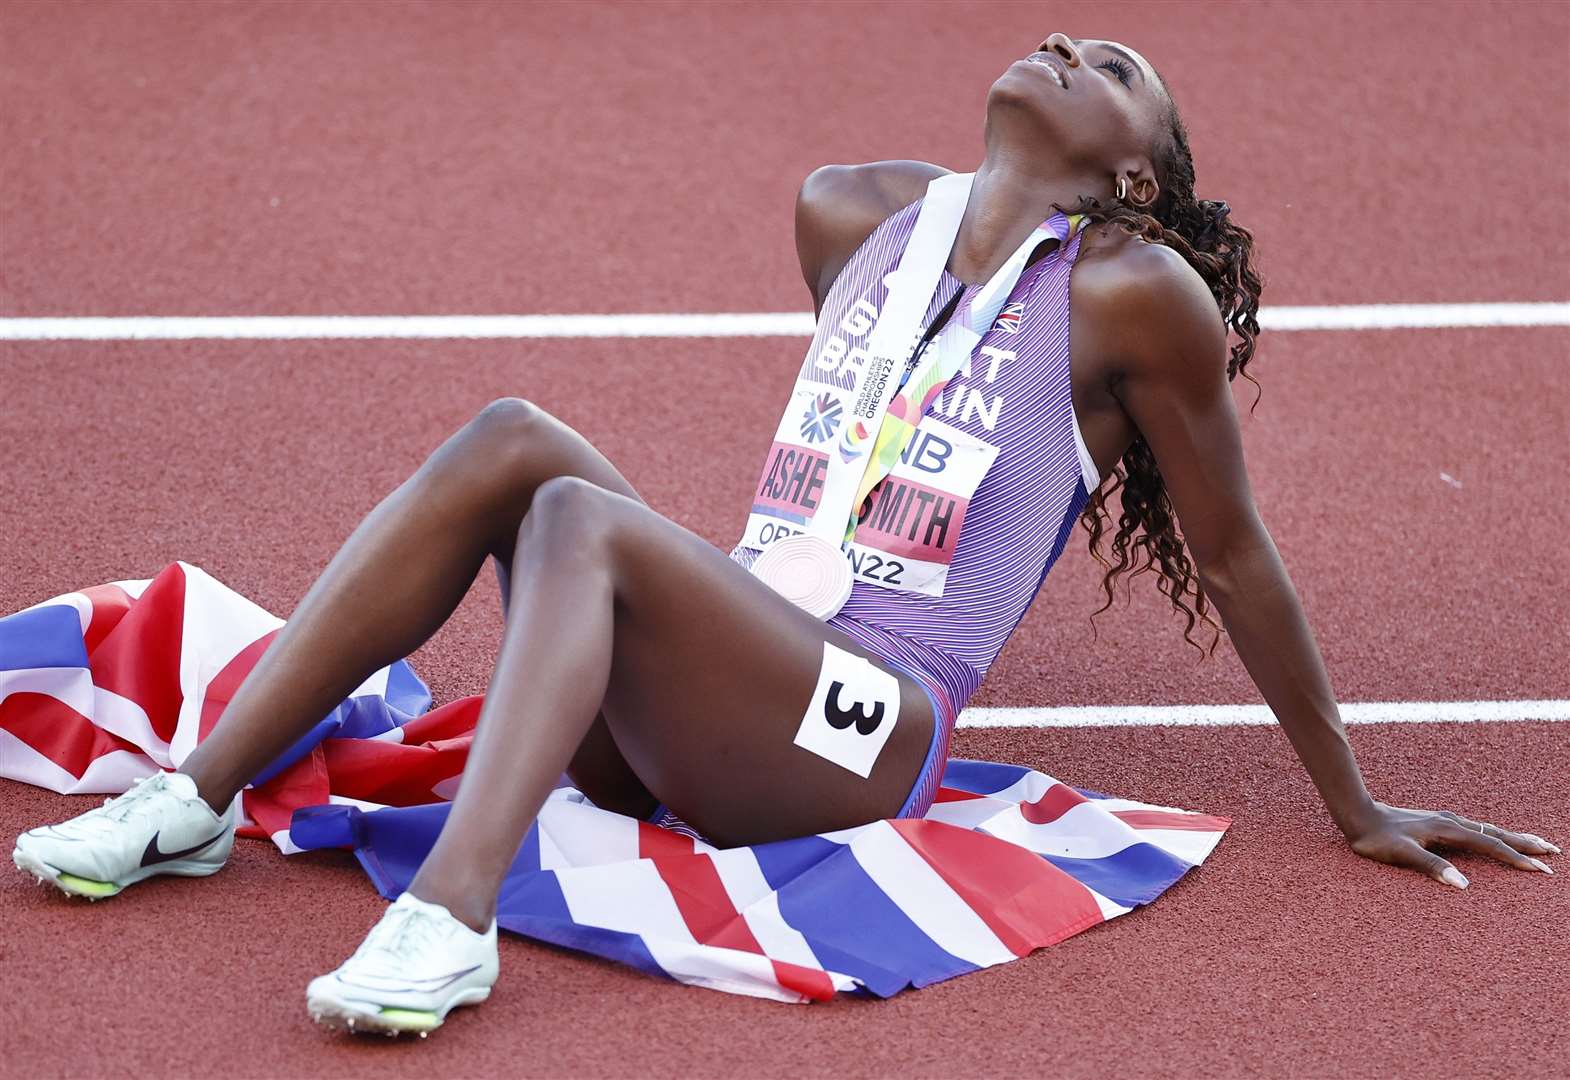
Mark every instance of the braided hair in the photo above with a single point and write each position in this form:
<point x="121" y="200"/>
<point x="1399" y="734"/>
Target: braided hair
<point x="1222" y="252"/>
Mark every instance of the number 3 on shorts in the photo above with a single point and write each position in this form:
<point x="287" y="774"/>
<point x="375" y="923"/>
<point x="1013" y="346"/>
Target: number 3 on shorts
<point x="852" y="712"/>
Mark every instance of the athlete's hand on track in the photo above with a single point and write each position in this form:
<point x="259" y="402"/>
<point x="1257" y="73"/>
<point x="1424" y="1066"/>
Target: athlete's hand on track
<point x="1402" y="837"/>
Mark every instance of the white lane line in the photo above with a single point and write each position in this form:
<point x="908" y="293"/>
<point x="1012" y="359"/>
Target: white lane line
<point x="1359" y="712"/>
<point x="763" y="324"/>
<point x="1412" y="316"/>
<point x="147" y="328"/>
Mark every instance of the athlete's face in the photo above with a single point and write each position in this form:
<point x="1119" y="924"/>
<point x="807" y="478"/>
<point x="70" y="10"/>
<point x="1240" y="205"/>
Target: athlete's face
<point x="1099" y="103"/>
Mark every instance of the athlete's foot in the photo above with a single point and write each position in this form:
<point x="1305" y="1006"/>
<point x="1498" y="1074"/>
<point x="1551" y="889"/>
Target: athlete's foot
<point x="159" y="826"/>
<point x="415" y="966"/>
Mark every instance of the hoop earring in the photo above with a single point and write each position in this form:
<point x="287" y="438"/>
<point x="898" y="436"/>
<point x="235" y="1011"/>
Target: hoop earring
<point x="1121" y="191"/>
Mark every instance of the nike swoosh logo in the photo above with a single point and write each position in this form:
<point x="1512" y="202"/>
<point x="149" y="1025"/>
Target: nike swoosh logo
<point x="409" y="986"/>
<point x="152" y="856"/>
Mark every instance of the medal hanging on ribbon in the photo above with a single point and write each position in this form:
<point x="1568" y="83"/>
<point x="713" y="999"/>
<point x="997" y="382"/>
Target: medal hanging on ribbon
<point x="811" y="568"/>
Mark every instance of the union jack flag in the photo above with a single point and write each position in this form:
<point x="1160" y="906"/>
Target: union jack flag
<point x="821" y="419"/>
<point x="1010" y="317"/>
<point x="101" y="687"/>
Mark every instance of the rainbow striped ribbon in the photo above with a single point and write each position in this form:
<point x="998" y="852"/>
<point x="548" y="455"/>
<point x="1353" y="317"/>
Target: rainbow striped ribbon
<point x="977" y="311"/>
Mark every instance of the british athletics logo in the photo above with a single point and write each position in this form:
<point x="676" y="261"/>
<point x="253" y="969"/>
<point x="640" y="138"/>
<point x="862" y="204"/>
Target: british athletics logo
<point x="821" y="419"/>
<point x="1010" y="318"/>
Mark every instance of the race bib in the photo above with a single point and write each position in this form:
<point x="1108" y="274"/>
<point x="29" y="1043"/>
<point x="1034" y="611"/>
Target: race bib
<point x="906" y="536"/>
<point x="853" y="710"/>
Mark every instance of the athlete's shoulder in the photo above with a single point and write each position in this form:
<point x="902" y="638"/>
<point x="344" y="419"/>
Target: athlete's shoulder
<point x="1143" y="300"/>
<point x="840" y="205"/>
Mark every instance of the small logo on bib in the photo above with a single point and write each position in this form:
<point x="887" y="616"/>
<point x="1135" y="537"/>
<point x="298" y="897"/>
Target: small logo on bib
<point x="821" y="419"/>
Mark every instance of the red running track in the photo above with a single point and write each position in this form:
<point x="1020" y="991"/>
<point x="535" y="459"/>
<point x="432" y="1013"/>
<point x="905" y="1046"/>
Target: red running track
<point x="488" y="158"/>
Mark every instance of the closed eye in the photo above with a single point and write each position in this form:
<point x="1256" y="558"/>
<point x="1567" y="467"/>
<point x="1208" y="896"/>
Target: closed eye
<point x="1119" y="68"/>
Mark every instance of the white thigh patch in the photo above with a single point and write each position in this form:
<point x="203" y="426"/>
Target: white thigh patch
<point x="852" y="711"/>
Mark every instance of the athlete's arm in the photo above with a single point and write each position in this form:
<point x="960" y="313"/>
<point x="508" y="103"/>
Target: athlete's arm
<point x="1168" y="350"/>
<point x="840" y="205"/>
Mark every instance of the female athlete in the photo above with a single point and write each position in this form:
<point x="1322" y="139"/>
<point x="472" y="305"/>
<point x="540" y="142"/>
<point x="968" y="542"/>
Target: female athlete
<point x="653" y="669"/>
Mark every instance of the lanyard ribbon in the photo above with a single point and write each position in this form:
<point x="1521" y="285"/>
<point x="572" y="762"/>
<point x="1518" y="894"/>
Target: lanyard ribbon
<point x="893" y="411"/>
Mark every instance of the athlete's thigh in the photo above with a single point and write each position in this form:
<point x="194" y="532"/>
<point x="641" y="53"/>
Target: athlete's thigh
<point x="598" y="768"/>
<point x="712" y="675"/>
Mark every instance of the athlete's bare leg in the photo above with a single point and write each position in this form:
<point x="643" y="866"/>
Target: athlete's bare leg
<point x="398" y="578"/>
<point x="703" y="674"/>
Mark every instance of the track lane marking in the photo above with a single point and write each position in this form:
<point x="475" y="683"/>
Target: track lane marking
<point x="1348" y="317"/>
<point x="1357" y="712"/>
<point x="718" y="324"/>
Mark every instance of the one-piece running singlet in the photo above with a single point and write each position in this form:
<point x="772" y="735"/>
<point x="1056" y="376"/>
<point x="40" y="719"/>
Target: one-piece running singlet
<point x="953" y="545"/>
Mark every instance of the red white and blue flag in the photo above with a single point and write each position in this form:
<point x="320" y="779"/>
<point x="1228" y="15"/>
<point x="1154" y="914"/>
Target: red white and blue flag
<point x="1010" y="318"/>
<point x="101" y="687"/>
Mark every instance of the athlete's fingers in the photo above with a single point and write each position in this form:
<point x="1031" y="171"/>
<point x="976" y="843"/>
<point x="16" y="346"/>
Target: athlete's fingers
<point x="1523" y="842"/>
<point x="1410" y="853"/>
<point x="1527" y="843"/>
<point x="1536" y="841"/>
<point x="1456" y="834"/>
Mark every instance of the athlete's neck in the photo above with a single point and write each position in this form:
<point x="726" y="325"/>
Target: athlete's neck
<point x="1011" y="195"/>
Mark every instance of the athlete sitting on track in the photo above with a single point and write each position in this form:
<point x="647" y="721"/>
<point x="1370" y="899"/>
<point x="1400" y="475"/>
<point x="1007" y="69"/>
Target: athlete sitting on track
<point x="654" y="669"/>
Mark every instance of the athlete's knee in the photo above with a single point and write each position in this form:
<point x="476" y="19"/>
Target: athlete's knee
<point x="499" y="451"/>
<point x="569" y="515"/>
<point x="505" y="427"/>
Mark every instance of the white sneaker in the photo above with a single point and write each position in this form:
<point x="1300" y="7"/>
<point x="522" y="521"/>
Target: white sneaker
<point x="160" y="826"/>
<point x="415" y="966"/>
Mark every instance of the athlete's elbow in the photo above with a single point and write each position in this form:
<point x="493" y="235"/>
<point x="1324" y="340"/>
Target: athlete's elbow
<point x="1236" y="570"/>
<point x="1219" y="581"/>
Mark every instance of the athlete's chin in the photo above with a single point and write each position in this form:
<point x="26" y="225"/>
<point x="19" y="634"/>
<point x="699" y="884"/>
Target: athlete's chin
<point x="1019" y="97"/>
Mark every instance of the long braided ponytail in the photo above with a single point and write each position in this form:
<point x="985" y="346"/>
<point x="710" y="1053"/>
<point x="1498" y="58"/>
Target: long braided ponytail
<point x="1201" y="231"/>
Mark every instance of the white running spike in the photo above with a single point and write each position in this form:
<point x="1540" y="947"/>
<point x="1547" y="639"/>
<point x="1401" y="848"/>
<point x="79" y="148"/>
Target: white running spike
<point x="416" y="944"/>
<point x="171" y="831"/>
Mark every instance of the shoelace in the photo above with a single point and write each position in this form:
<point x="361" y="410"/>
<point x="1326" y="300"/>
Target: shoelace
<point x="135" y="800"/>
<point x="402" y="934"/>
<point x="121" y="808"/>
